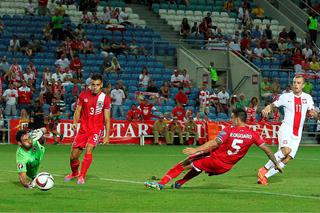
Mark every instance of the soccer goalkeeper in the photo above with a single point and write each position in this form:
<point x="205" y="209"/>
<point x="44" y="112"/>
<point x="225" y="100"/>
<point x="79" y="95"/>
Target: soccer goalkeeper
<point x="29" y="155"/>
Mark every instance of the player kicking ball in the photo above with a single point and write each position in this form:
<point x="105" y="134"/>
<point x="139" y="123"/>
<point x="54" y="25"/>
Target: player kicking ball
<point x="93" y="112"/>
<point x="217" y="156"/>
<point x="296" y="105"/>
<point x="29" y="155"/>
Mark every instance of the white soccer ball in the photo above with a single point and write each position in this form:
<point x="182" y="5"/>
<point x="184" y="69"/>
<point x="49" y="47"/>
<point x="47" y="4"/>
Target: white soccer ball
<point x="44" y="181"/>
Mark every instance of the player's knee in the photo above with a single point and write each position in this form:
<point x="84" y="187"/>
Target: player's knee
<point x="286" y="151"/>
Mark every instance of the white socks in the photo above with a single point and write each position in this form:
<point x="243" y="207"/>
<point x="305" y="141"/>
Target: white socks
<point x="273" y="171"/>
<point x="278" y="155"/>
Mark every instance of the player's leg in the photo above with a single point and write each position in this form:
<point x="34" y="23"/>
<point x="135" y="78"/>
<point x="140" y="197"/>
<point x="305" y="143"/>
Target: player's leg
<point x="177" y="169"/>
<point x="86" y="162"/>
<point x="74" y="163"/>
<point x="156" y="137"/>
<point x="166" y="135"/>
<point x="191" y="174"/>
<point x="287" y="152"/>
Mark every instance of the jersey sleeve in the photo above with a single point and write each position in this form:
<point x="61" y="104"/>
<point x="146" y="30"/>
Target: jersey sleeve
<point x="107" y="103"/>
<point x="224" y="134"/>
<point x="281" y="100"/>
<point x="21" y="164"/>
<point x="257" y="139"/>
<point x="310" y="103"/>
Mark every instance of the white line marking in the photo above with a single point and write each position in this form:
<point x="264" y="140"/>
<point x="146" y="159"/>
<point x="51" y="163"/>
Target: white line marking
<point x="270" y="193"/>
<point x="222" y="190"/>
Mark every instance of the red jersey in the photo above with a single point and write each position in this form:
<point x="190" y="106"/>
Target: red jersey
<point x="181" y="98"/>
<point x="75" y="64"/>
<point x="92" y="111"/>
<point x="251" y="114"/>
<point x="24" y="94"/>
<point x="134" y="115"/>
<point x="236" y="142"/>
<point x="146" y="111"/>
<point x="179" y="112"/>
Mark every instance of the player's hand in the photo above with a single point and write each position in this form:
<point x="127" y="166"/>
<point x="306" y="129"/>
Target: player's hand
<point x="279" y="168"/>
<point x="265" y="111"/>
<point x="106" y="140"/>
<point x="189" y="151"/>
<point x="74" y="127"/>
<point x="36" y="134"/>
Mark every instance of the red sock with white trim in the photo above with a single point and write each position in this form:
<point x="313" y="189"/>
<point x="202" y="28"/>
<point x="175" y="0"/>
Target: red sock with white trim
<point x="74" y="164"/>
<point x="172" y="173"/>
<point x="86" y="162"/>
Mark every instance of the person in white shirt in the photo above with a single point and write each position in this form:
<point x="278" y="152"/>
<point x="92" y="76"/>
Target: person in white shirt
<point x="176" y="79"/>
<point x="106" y="16"/>
<point x="11" y="96"/>
<point x="258" y="51"/>
<point x="307" y="51"/>
<point x="14" y="44"/>
<point x="63" y="62"/>
<point x="144" y="78"/>
<point x="29" y="9"/>
<point x="117" y="97"/>
<point x="28" y="75"/>
<point x="297" y="105"/>
<point x="123" y="18"/>
<point x="204" y="99"/>
<point x="223" y="97"/>
<point x="58" y="75"/>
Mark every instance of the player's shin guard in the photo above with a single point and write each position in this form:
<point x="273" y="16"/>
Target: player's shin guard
<point x="273" y="171"/>
<point x="172" y="173"/>
<point x="278" y="155"/>
<point x="74" y="164"/>
<point x="191" y="174"/>
<point x="86" y="162"/>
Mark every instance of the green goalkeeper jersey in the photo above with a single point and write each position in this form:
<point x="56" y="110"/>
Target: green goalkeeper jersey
<point x="29" y="161"/>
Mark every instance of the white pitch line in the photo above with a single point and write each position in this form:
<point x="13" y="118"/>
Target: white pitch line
<point x="270" y="193"/>
<point x="222" y="190"/>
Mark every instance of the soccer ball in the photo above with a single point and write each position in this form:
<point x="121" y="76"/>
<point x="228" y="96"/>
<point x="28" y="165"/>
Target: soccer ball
<point x="44" y="181"/>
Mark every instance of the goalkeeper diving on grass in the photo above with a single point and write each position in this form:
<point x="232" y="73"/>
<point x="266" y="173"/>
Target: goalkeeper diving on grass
<point x="29" y="155"/>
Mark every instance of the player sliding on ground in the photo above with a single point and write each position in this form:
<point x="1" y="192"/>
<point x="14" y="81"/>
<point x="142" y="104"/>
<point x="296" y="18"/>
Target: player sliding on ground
<point x="217" y="156"/>
<point x="296" y="105"/>
<point x="93" y="112"/>
<point x="29" y="155"/>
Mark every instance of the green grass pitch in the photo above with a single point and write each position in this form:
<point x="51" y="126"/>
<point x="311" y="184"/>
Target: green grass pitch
<point x="115" y="183"/>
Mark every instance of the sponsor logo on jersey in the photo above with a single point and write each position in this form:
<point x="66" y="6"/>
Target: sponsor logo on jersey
<point x="20" y="166"/>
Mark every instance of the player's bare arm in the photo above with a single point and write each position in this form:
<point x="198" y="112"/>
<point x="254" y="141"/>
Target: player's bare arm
<point x="24" y="180"/>
<point x="76" y="116"/>
<point x="270" y="155"/>
<point x="210" y="145"/>
<point x="106" y="138"/>
<point x="267" y="109"/>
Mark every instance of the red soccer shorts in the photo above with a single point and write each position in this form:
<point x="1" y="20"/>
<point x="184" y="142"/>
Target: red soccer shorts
<point x="211" y="165"/>
<point x="83" y="138"/>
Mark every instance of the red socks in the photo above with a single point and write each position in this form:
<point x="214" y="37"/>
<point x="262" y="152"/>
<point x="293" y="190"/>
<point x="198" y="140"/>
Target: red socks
<point x="191" y="174"/>
<point x="74" y="164"/>
<point x="86" y="162"/>
<point x="172" y="173"/>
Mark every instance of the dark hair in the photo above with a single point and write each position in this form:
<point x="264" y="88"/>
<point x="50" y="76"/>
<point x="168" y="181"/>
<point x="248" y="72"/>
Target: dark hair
<point x="240" y="113"/>
<point x="19" y="134"/>
<point x="96" y="77"/>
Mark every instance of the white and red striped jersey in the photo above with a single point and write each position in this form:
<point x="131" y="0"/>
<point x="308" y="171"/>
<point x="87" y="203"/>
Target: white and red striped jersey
<point x="204" y="98"/>
<point x="295" y="110"/>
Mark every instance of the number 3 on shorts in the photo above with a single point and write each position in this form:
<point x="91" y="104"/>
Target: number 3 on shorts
<point x="235" y="145"/>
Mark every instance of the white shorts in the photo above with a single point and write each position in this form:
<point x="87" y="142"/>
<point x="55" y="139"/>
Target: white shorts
<point x="287" y="139"/>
